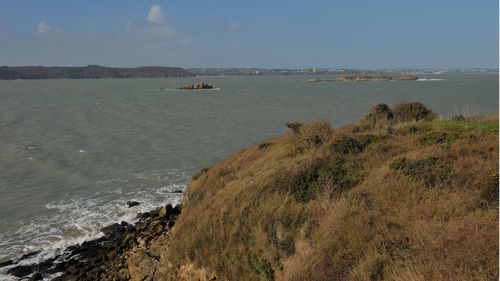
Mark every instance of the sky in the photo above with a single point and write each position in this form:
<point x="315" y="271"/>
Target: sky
<point x="269" y="34"/>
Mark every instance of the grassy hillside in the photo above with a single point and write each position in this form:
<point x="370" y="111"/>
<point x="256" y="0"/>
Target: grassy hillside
<point x="401" y="196"/>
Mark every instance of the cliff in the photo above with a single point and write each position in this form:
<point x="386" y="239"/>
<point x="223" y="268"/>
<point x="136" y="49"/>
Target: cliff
<point x="90" y="71"/>
<point x="403" y="195"/>
<point x="388" y="199"/>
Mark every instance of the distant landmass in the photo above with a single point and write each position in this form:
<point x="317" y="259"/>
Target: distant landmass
<point x="98" y="71"/>
<point x="89" y="72"/>
<point x="333" y="71"/>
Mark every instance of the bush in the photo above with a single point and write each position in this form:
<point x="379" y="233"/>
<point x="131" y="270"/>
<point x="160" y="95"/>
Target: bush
<point x="433" y="138"/>
<point x="265" y="145"/>
<point x="355" y="145"/>
<point x="294" y="125"/>
<point x="333" y="173"/>
<point x="382" y="116"/>
<point x="429" y="170"/>
<point x="412" y="111"/>
<point x="379" y="115"/>
<point x="302" y="137"/>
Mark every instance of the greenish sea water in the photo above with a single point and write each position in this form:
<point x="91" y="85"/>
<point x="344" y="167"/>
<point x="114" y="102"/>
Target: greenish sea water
<point x="73" y="152"/>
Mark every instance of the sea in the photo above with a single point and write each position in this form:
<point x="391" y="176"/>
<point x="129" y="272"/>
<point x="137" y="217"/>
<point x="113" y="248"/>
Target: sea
<point x="73" y="152"/>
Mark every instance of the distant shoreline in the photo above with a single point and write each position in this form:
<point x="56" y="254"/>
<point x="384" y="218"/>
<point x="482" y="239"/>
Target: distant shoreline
<point x="89" y="72"/>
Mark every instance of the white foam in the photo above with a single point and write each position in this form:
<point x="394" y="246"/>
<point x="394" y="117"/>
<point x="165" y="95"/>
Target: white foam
<point x="75" y="220"/>
<point x="431" y="79"/>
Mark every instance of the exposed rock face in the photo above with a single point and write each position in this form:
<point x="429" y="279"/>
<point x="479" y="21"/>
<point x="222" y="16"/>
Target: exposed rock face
<point x="199" y="86"/>
<point x="126" y="252"/>
<point x="407" y="77"/>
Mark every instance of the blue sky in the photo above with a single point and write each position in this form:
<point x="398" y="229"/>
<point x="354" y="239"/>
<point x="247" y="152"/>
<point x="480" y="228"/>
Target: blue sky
<point x="277" y="33"/>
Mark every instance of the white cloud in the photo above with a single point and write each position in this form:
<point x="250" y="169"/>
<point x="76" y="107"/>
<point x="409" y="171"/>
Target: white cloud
<point x="155" y="14"/>
<point x="43" y="28"/>
<point x="130" y="26"/>
<point x="232" y="25"/>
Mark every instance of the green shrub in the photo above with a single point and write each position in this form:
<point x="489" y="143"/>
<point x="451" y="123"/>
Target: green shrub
<point x="412" y="111"/>
<point x="430" y="170"/>
<point x="381" y="115"/>
<point x="335" y="173"/>
<point x="302" y="137"/>
<point x="262" y="267"/>
<point x="378" y="115"/>
<point x="264" y="145"/>
<point x="355" y="145"/>
<point x="433" y="138"/>
<point x="294" y="125"/>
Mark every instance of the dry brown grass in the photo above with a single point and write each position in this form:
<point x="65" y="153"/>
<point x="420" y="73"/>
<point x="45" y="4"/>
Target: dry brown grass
<point x="325" y="204"/>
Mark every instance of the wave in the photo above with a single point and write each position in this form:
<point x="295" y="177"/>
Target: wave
<point x="430" y="79"/>
<point x="73" y="221"/>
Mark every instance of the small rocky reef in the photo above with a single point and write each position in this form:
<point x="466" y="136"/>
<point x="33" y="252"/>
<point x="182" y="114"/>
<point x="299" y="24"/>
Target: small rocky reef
<point x="365" y="78"/>
<point x="199" y="86"/>
<point x="125" y="252"/>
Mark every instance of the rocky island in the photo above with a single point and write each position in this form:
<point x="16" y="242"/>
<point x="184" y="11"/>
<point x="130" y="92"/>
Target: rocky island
<point x="365" y="78"/>
<point x="199" y="86"/>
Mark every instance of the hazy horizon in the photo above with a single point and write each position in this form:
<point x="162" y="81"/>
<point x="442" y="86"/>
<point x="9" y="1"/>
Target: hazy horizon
<point x="258" y="34"/>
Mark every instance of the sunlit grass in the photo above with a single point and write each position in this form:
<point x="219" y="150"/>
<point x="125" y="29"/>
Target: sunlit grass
<point x="491" y="127"/>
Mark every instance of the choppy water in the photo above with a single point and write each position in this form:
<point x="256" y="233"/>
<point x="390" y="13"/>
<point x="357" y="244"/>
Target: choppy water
<point x="72" y="152"/>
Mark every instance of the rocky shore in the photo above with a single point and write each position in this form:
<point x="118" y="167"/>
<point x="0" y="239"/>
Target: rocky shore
<point x="125" y="252"/>
<point x="365" y="78"/>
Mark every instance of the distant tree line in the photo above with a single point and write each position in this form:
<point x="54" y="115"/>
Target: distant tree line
<point x="89" y="72"/>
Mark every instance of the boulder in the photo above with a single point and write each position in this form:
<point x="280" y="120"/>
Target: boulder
<point x="20" y="270"/>
<point x="112" y="229"/>
<point x="132" y="203"/>
<point x="166" y="211"/>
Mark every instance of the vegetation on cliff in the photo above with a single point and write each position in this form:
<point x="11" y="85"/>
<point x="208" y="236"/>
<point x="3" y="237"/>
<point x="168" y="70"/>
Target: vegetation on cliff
<point x="401" y="196"/>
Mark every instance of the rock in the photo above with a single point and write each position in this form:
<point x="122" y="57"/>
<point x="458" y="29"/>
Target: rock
<point x="123" y="274"/>
<point x="166" y="211"/>
<point x="29" y="255"/>
<point x="126" y="252"/>
<point x="141" y="267"/>
<point x="112" y="229"/>
<point x="177" y="191"/>
<point x="132" y="203"/>
<point x="405" y="77"/>
<point x="177" y="210"/>
<point x="199" y="86"/>
<point x="142" y="216"/>
<point x="6" y="263"/>
<point x="20" y="270"/>
<point x="35" y="277"/>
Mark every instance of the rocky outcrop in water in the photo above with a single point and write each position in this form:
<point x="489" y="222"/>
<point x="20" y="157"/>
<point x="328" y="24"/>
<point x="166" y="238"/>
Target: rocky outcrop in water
<point x="199" y="86"/>
<point x="125" y="252"/>
<point x="362" y="77"/>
